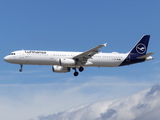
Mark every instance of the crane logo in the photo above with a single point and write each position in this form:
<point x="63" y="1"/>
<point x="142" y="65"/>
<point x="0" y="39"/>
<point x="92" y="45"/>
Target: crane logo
<point x="141" y="48"/>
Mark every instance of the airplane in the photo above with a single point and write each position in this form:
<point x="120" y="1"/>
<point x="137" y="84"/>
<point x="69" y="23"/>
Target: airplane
<point x="63" y="62"/>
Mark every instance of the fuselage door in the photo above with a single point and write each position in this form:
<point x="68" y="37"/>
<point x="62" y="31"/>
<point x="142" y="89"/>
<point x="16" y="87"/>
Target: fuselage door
<point x="22" y="55"/>
<point x="52" y="56"/>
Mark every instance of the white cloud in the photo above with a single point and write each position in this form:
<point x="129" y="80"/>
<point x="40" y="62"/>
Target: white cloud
<point x="27" y="101"/>
<point x="144" y="105"/>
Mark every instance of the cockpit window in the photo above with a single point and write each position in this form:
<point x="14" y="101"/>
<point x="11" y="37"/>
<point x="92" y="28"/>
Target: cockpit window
<point x="12" y="54"/>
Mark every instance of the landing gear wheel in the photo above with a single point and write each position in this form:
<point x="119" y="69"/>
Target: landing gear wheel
<point x="81" y="69"/>
<point x="20" y="70"/>
<point x="76" y="73"/>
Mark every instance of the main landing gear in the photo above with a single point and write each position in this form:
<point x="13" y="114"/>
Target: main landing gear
<point x="80" y="70"/>
<point x="20" y="70"/>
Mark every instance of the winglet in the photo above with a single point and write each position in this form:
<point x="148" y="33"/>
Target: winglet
<point x="104" y="44"/>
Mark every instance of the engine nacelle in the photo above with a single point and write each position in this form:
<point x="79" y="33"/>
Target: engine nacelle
<point x="60" y="69"/>
<point x="66" y="62"/>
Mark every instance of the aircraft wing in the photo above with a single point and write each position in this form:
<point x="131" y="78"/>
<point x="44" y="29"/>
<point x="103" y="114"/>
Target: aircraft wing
<point x="83" y="57"/>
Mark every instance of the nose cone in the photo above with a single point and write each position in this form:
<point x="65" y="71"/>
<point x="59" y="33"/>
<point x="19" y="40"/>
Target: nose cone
<point x="6" y="58"/>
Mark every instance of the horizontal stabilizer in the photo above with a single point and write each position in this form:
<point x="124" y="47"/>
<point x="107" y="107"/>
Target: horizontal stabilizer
<point x="145" y="56"/>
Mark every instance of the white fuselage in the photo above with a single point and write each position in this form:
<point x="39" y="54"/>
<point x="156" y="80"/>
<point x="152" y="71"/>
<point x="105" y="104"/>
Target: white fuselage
<point x="63" y="61"/>
<point x="33" y="57"/>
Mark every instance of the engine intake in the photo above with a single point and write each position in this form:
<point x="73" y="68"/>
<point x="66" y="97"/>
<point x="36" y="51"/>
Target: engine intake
<point x="60" y="69"/>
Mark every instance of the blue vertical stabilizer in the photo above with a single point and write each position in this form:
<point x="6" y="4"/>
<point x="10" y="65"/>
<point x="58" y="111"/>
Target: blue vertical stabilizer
<point x="141" y="47"/>
<point x="138" y="50"/>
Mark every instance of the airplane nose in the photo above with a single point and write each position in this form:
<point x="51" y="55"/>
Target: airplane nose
<point x="6" y="58"/>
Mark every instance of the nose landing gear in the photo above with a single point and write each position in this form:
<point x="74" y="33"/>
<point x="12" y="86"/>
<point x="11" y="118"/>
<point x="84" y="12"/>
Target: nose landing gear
<point x="20" y="70"/>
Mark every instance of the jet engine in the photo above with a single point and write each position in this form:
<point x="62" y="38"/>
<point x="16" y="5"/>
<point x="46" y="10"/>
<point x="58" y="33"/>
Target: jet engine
<point x="60" y="69"/>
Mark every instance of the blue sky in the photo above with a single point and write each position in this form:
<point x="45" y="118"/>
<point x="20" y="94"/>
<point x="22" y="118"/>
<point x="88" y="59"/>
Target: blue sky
<point x="74" y="26"/>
